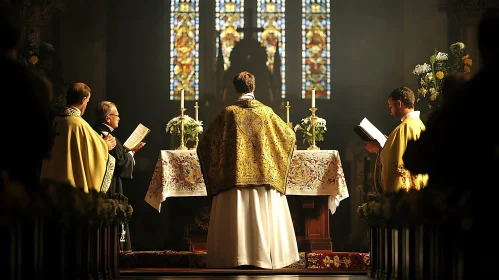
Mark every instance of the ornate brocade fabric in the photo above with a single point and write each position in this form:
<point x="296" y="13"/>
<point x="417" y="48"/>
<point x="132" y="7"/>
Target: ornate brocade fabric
<point x="247" y="144"/>
<point x="178" y="174"/>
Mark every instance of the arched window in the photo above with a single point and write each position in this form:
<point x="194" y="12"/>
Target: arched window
<point x="271" y="17"/>
<point x="316" y="64"/>
<point x="184" y="49"/>
<point x="229" y="15"/>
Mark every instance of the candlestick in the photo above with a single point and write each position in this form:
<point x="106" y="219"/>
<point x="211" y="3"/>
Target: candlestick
<point x="196" y="107"/>
<point x="182" y="144"/>
<point x="287" y="111"/>
<point x="313" y="118"/>
<point x="313" y="98"/>
<point x="182" y="98"/>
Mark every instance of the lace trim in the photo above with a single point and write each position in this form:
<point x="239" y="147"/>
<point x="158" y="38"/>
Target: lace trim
<point x="378" y="188"/>
<point x="69" y="111"/>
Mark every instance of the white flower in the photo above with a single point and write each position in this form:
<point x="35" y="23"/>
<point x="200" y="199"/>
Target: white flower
<point x="321" y="121"/>
<point x="421" y="69"/>
<point x="173" y="125"/>
<point x="429" y="76"/>
<point x="441" y="56"/>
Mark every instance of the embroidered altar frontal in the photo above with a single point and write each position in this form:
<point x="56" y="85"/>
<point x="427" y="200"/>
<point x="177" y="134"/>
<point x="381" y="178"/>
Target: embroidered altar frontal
<point x="328" y="261"/>
<point x="178" y="174"/>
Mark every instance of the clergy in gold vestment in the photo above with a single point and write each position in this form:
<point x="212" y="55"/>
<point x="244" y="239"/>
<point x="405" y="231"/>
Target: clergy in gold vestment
<point x="245" y="157"/>
<point x="390" y="173"/>
<point x="79" y="155"/>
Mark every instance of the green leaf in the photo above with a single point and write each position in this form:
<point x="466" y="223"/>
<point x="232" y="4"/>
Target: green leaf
<point x="433" y="58"/>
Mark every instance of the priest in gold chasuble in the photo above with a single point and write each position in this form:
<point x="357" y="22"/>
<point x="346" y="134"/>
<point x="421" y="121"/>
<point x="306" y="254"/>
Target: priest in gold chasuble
<point x="79" y="155"/>
<point x="245" y="155"/>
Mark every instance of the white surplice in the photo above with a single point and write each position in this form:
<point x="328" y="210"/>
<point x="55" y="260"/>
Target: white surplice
<point x="251" y="226"/>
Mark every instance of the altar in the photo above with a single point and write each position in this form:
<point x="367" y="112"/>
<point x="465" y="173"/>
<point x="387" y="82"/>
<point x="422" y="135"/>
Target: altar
<point x="315" y="187"/>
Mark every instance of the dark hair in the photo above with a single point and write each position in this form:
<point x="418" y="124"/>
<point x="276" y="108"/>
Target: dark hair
<point x="103" y="109"/>
<point x="487" y="27"/>
<point x="244" y="82"/>
<point x="404" y="94"/>
<point x="10" y="29"/>
<point x="76" y="92"/>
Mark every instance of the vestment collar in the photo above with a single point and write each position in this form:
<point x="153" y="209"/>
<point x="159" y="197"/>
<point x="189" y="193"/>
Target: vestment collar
<point x="70" y="111"/>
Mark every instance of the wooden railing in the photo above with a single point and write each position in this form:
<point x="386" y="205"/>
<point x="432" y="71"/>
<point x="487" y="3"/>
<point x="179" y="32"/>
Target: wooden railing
<point x="424" y="253"/>
<point x="40" y="248"/>
<point x="56" y="231"/>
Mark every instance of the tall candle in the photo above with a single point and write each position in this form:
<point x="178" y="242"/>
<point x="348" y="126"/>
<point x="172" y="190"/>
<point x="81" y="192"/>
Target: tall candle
<point x="313" y="98"/>
<point x="196" y="110"/>
<point x="182" y="98"/>
<point x="287" y="111"/>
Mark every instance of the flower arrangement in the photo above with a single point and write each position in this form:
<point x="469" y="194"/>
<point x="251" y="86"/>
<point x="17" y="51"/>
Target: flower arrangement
<point x="371" y="210"/>
<point x="429" y="206"/>
<point x="306" y="128"/>
<point x="62" y="203"/>
<point x="430" y="76"/>
<point x="43" y="59"/>
<point x="191" y="127"/>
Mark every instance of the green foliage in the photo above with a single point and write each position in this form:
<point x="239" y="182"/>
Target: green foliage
<point x="305" y="127"/>
<point x="191" y="127"/>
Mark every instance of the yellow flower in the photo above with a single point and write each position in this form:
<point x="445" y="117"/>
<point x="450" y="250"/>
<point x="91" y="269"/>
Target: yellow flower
<point x="467" y="68"/>
<point x="467" y="60"/>
<point x="439" y="75"/>
<point x="33" y="59"/>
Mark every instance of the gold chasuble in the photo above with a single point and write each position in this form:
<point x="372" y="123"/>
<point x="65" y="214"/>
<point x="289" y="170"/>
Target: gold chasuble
<point x="79" y="155"/>
<point x="246" y="145"/>
<point x="392" y="171"/>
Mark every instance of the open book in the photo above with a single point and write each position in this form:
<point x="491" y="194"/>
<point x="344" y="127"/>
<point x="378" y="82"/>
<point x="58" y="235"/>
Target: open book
<point x="368" y="132"/>
<point x="136" y="137"/>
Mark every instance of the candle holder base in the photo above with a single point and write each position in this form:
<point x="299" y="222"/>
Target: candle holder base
<point x="313" y="147"/>
<point x="182" y="148"/>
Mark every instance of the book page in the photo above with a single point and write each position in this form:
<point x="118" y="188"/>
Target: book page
<point x="137" y="136"/>
<point x="372" y="131"/>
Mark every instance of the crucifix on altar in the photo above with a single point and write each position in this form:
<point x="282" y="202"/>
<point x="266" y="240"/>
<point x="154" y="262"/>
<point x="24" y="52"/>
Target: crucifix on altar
<point x="249" y="29"/>
<point x="249" y="55"/>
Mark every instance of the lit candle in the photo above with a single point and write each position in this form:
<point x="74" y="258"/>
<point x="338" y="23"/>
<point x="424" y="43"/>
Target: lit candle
<point x="287" y="111"/>
<point x="196" y="107"/>
<point x="313" y="98"/>
<point x="182" y="98"/>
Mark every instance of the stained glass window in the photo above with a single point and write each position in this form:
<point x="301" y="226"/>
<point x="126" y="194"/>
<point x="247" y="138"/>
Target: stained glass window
<point x="184" y="49"/>
<point x="229" y="15"/>
<point x="271" y="17"/>
<point x="316" y="65"/>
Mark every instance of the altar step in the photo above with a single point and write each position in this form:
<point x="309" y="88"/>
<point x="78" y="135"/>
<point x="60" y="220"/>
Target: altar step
<point x="326" y="261"/>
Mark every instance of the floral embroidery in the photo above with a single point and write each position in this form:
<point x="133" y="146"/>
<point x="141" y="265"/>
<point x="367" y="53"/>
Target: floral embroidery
<point x="178" y="173"/>
<point x="69" y="111"/>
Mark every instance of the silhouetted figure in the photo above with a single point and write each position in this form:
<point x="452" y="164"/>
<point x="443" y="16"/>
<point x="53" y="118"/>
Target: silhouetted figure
<point x="462" y="157"/>
<point x="24" y="96"/>
<point x="455" y="146"/>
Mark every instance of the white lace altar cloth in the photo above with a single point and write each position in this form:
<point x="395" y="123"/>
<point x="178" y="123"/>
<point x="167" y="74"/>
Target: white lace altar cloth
<point x="316" y="172"/>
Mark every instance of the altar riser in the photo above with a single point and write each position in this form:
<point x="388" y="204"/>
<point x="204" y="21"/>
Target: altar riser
<point x="334" y="261"/>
